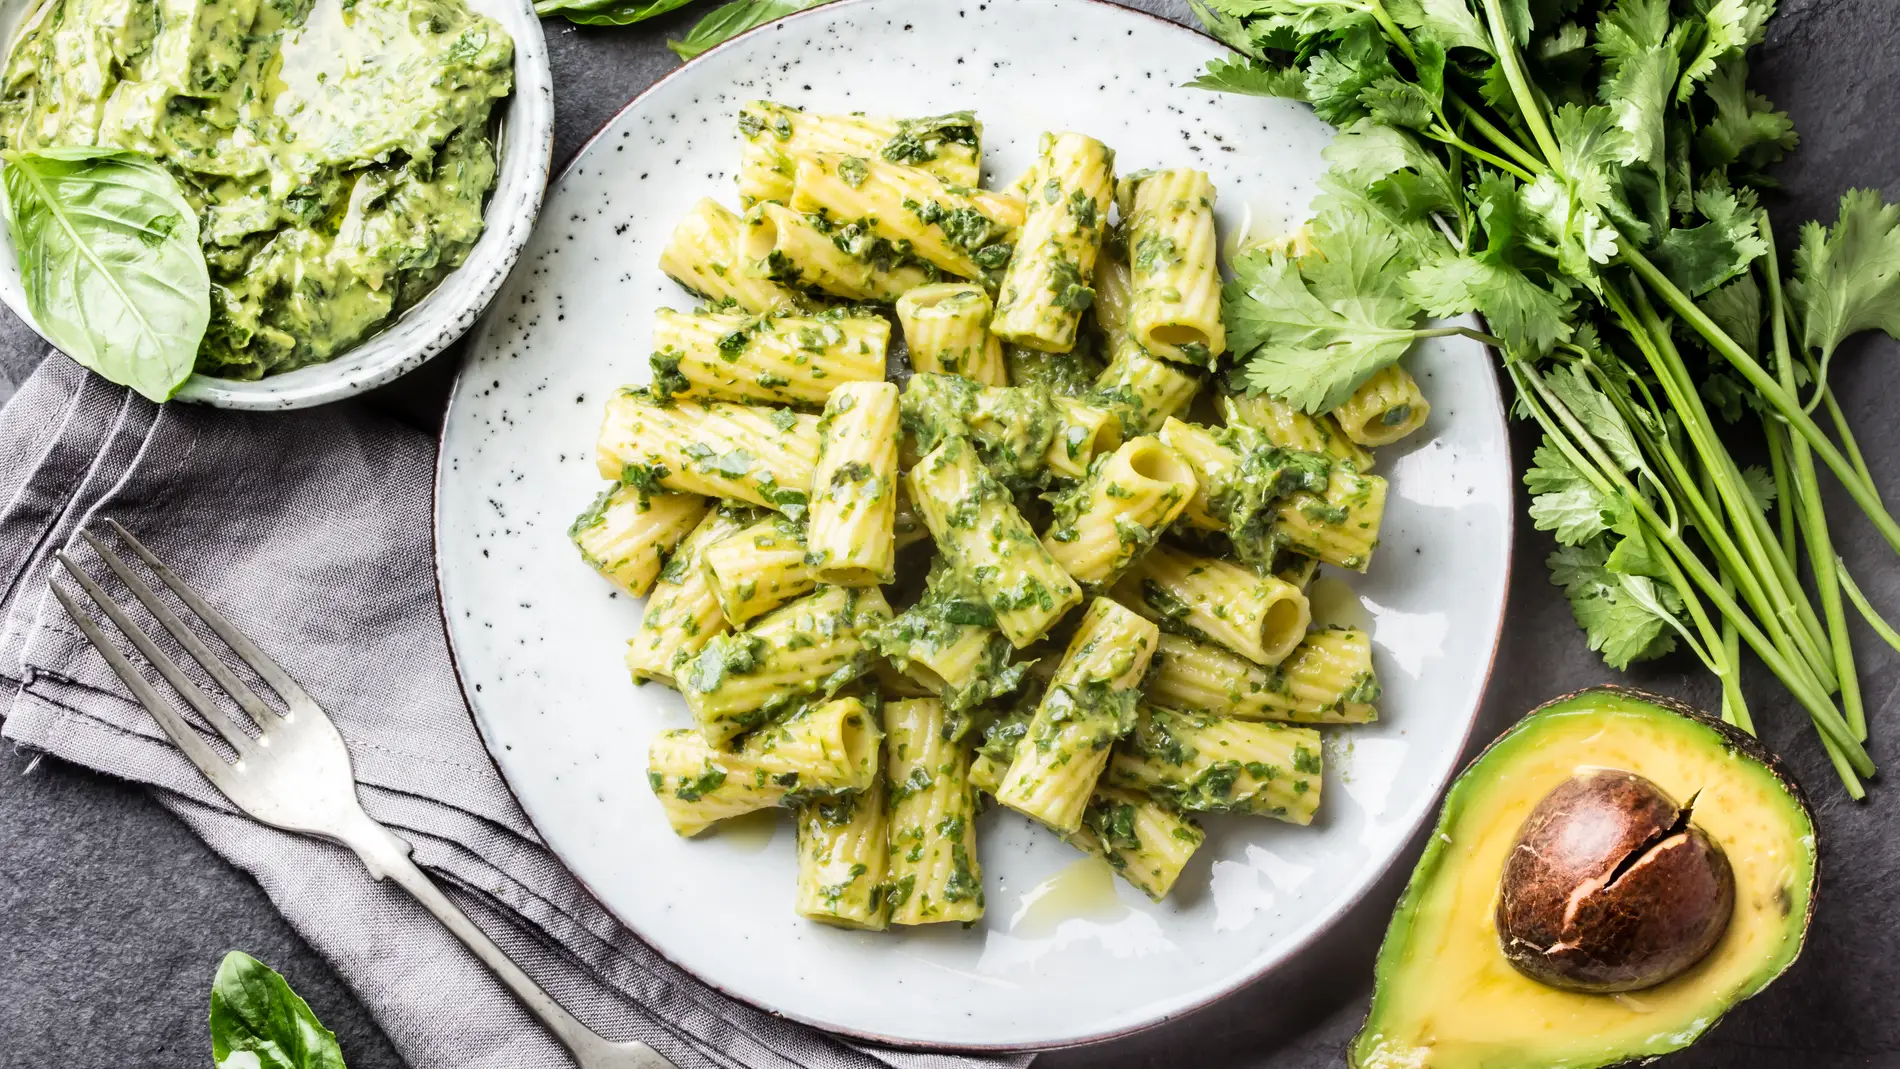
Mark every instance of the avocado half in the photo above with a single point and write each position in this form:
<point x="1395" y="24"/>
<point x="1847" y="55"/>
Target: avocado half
<point x="1445" y="996"/>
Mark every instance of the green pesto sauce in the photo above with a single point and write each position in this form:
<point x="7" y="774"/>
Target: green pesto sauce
<point x="337" y="151"/>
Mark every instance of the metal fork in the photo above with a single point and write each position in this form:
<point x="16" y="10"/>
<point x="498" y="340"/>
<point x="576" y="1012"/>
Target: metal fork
<point x="294" y="773"/>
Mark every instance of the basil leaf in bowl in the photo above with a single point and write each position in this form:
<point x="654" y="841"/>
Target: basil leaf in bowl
<point x="110" y="262"/>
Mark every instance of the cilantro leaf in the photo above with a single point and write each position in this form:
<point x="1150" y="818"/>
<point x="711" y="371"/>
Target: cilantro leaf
<point x="1303" y="17"/>
<point x="1847" y="277"/>
<point x="1319" y="326"/>
<point x="1530" y="317"/>
<point x="1746" y="129"/>
<point x="1701" y="258"/>
<point x="1527" y="316"/>
<point x="1227" y="29"/>
<point x="1393" y="166"/>
<point x="1617" y="612"/>
<point x="1563" y="501"/>
<point x="1641" y="61"/>
<point x="1736" y="308"/>
<point x="1572" y="385"/>
<point x="1335" y="79"/>
<point x="1761" y="486"/>
<point x="1450" y="22"/>
<point x="1729" y="28"/>
<point x="1230" y="74"/>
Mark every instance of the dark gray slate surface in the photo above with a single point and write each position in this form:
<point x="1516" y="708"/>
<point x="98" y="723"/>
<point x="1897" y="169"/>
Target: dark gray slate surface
<point x="113" y="916"/>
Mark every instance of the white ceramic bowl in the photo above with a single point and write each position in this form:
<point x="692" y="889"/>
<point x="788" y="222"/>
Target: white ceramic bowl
<point x="539" y="638"/>
<point x="526" y="145"/>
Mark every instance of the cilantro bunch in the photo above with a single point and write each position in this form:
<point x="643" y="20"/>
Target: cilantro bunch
<point x="1585" y="176"/>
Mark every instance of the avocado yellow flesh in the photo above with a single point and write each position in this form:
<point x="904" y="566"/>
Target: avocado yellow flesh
<point x="1446" y="997"/>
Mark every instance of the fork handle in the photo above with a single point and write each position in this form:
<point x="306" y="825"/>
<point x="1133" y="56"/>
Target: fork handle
<point x="386" y="856"/>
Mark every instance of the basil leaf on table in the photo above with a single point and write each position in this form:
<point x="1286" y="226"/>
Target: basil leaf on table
<point x="607" y="12"/>
<point x="258" y="1022"/>
<point x="110" y="262"/>
<point x="724" y="23"/>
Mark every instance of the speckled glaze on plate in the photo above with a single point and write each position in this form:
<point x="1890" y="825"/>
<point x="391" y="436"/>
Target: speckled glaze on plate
<point x="538" y="637"/>
<point x="526" y="144"/>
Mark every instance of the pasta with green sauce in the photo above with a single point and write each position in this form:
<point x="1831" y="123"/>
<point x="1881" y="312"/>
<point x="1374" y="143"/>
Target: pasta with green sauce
<point x="930" y="515"/>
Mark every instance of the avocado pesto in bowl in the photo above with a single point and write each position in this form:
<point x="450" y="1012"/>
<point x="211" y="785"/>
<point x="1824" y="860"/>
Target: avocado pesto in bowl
<point x="337" y="160"/>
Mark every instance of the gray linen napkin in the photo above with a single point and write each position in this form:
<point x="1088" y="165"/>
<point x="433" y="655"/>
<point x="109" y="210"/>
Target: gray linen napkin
<point x="312" y="531"/>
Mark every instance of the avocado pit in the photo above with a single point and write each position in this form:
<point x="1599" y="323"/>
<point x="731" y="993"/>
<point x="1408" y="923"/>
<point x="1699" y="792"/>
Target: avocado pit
<point x="1610" y="887"/>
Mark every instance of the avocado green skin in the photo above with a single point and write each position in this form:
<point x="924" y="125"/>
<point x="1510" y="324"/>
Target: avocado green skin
<point x="1733" y="737"/>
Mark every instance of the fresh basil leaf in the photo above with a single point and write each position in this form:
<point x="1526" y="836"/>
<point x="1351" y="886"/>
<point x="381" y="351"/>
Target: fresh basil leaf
<point x="724" y="23"/>
<point x="258" y="1022"/>
<point x="110" y="262"/>
<point x="607" y="12"/>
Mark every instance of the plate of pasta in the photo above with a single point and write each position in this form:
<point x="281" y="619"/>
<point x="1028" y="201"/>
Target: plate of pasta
<point x="951" y="656"/>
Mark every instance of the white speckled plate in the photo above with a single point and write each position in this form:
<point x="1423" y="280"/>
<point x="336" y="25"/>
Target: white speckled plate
<point x="539" y="638"/>
<point x="526" y="143"/>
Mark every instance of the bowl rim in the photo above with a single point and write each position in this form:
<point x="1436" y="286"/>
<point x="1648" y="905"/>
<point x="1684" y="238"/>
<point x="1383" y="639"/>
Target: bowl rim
<point x="1240" y="983"/>
<point x="525" y="151"/>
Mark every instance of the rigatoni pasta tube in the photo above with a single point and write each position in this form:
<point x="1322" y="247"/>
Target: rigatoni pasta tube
<point x="1262" y="618"/>
<point x="811" y="252"/>
<point x="1144" y="390"/>
<point x="1290" y="428"/>
<point x="948" y="146"/>
<point x="762" y="456"/>
<point x="964" y="231"/>
<point x="1089" y="703"/>
<point x="843" y="855"/>
<point x="851" y="539"/>
<point x="934" y="875"/>
<point x="628" y="532"/>
<point x="946" y="329"/>
<point x="758" y="569"/>
<point x="1175" y="309"/>
<point x="1339" y="527"/>
<point x="948" y="643"/>
<point x="1211" y="764"/>
<point x="988" y="545"/>
<point x="1385" y="408"/>
<point x="811" y="647"/>
<point x="1046" y="288"/>
<point x="1327" y="679"/>
<point x="1145" y="841"/>
<point x="1268" y="499"/>
<point x="1118" y="510"/>
<point x="1020" y="429"/>
<point x="706" y="256"/>
<point x="783" y="359"/>
<point x="682" y="615"/>
<point x="828" y="748"/>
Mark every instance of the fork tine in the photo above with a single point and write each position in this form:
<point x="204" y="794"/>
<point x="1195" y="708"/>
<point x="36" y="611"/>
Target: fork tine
<point x="259" y="661"/>
<point x="262" y="714"/>
<point x="226" y="726"/>
<point x="193" y="745"/>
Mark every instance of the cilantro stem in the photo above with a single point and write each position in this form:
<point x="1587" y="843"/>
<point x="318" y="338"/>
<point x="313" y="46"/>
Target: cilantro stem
<point x="1734" y="703"/>
<point x="1786" y="597"/>
<point x="1860" y="489"/>
<point x="1874" y="619"/>
<point x="1527" y="102"/>
<point x="1799" y="683"/>
<point x="1784" y="490"/>
<point x="1461" y="332"/>
<point x="1505" y="142"/>
<point x="1446" y="136"/>
<point x="1812" y="515"/>
<point x="1847" y="435"/>
<point x="1737" y="545"/>
<point x="1392" y="31"/>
